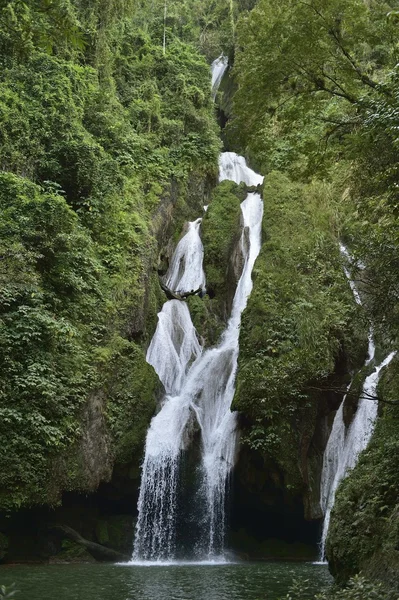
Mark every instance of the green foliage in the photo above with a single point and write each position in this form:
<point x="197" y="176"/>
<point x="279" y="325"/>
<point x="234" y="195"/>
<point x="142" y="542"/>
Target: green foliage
<point x="96" y="122"/>
<point x="358" y="588"/>
<point x="131" y="387"/>
<point x="45" y="24"/>
<point x="364" y="528"/>
<point x="301" y="318"/>
<point x="323" y="87"/>
<point x="209" y="24"/>
<point x="221" y="232"/>
<point x="373" y="227"/>
<point x="317" y="100"/>
<point x="307" y="61"/>
<point x="45" y="328"/>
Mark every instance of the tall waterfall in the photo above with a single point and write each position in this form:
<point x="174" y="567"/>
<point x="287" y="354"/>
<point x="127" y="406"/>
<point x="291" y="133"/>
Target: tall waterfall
<point x="199" y="389"/>
<point x="345" y="445"/>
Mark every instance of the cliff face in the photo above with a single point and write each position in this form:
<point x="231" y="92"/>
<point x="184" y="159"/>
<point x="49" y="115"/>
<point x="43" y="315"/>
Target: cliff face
<point x="104" y="154"/>
<point x="302" y="334"/>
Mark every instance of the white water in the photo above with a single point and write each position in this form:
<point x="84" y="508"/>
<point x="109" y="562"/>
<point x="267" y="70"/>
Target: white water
<point x="233" y="167"/>
<point x="199" y="390"/>
<point x="215" y="378"/>
<point x="185" y="271"/>
<point x="199" y="387"/>
<point x="219" y="67"/>
<point x="344" y="446"/>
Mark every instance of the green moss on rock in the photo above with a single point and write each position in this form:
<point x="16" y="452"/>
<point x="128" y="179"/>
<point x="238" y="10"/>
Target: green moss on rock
<point x="300" y="323"/>
<point x="72" y="552"/>
<point x="221" y="230"/>
<point x="131" y="399"/>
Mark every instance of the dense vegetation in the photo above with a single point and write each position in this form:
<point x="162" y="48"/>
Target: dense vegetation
<point x="107" y="140"/>
<point x="316" y="109"/>
<point x="323" y="104"/>
<point x="97" y="122"/>
<point x="300" y="322"/>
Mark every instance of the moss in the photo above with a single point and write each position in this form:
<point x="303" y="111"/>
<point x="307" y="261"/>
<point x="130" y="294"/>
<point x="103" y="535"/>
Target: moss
<point x="300" y="324"/>
<point x="73" y="552"/>
<point x="220" y="235"/>
<point x="121" y="532"/>
<point x="131" y="400"/>
<point x="364" y="528"/>
<point x="206" y="322"/>
<point x="102" y="534"/>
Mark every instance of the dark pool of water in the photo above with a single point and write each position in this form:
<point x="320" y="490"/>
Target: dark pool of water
<point x="242" y="581"/>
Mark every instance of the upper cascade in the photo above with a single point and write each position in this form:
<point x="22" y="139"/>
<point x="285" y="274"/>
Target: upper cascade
<point x="218" y="69"/>
<point x="186" y="272"/>
<point x="234" y="168"/>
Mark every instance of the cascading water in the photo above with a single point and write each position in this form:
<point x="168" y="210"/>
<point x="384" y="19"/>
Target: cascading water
<point x="217" y="370"/>
<point x="185" y="272"/>
<point x="345" y="445"/>
<point x="199" y="387"/>
<point x="219" y="67"/>
<point x="197" y="384"/>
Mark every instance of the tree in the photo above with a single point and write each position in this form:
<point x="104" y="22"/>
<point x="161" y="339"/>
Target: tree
<point x="299" y="54"/>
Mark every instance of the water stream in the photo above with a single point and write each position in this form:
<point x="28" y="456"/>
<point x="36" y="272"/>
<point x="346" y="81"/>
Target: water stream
<point x="345" y="444"/>
<point x="199" y="389"/>
<point x="219" y="67"/>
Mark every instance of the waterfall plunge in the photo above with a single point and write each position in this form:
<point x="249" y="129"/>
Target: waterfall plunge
<point x="344" y="446"/>
<point x="199" y="386"/>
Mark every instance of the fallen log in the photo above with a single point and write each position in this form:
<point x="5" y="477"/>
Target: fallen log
<point x="99" y="552"/>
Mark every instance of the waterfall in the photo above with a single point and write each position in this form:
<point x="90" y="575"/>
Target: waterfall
<point x="173" y="350"/>
<point x="344" y="446"/>
<point x="218" y="68"/>
<point x="185" y="272"/>
<point x="216" y="373"/>
<point x="199" y="388"/>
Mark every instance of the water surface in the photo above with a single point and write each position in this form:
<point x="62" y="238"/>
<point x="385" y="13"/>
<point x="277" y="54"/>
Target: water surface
<point x="242" y="581"/>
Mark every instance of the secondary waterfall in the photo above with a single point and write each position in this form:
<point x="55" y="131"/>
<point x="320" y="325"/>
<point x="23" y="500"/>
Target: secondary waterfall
<point x="345" y="445"/>
<point x="199" y="389"/>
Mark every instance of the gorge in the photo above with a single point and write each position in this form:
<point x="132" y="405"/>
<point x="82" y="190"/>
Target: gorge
<point x="199" y="376"/>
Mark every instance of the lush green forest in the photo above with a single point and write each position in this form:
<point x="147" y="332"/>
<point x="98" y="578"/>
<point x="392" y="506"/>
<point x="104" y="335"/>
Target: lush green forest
<point x="316" y="108"/>
<point x="99" y="128"/>
<point x="109" y="143"/>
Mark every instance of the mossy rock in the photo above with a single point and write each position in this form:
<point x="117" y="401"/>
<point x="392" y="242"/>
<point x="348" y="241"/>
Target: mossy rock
<point x="221" y="231"/>
<point x="72" y="552"/>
